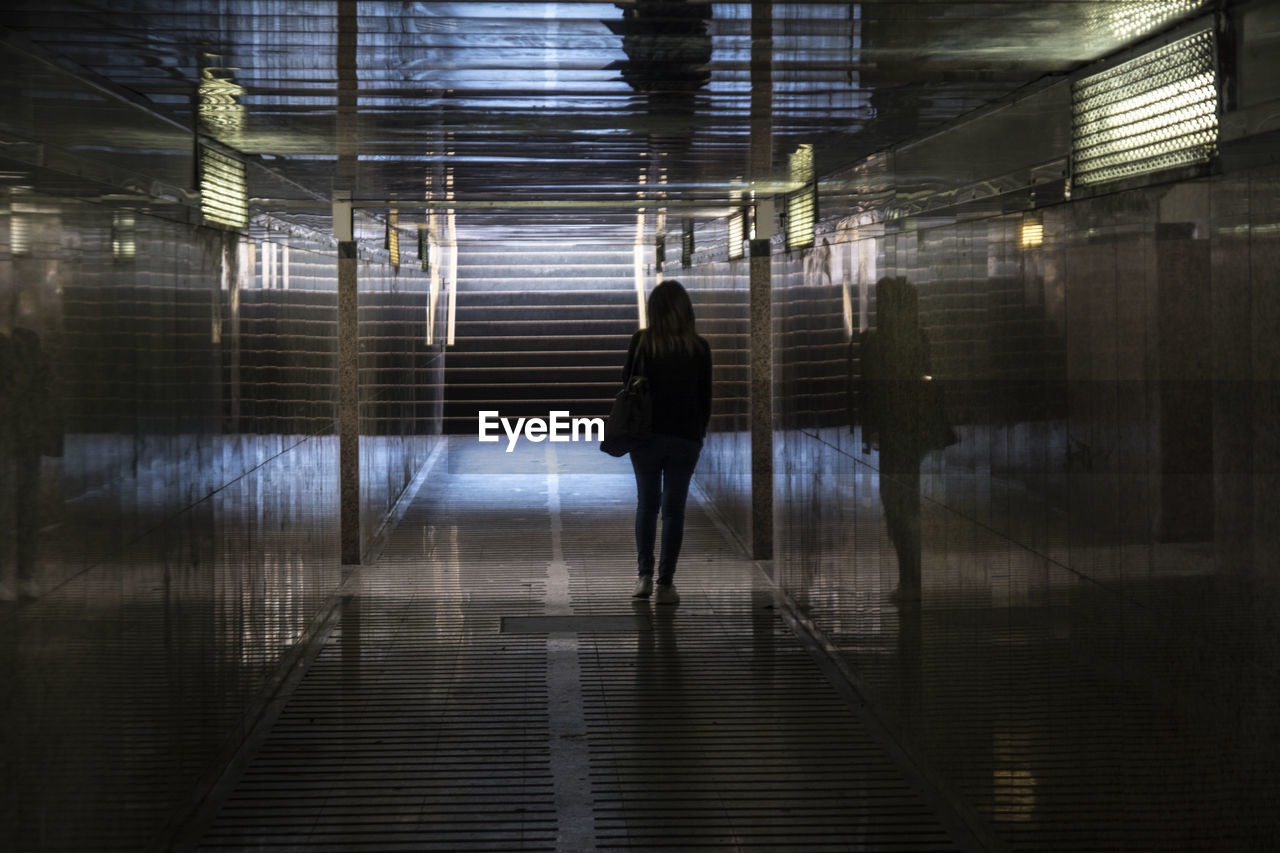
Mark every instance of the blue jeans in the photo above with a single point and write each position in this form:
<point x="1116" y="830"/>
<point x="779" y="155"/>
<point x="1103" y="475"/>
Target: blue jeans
<point x="663" y="465"/>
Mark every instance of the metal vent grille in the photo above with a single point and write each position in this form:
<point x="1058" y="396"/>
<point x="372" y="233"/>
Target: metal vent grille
<point x="1156" y="112"/>
<point x="223" y="198"/>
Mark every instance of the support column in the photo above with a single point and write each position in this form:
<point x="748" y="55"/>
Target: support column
<point x="348" y="302"/>
<point x="760" y="169"/>
<point x="348" y="383"/>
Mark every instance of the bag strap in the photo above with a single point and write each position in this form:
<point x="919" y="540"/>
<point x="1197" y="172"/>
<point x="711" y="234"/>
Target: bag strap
<point x="637" y="361"/>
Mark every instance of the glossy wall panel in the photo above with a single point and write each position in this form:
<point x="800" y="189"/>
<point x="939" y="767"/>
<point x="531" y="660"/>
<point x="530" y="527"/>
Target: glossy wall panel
<point x="401" y="390"/>
<point x="1098" y="555"/>
<point x="1095" y="546"/>
<point x="178" y="533"/>
<point x="719" y="291"/>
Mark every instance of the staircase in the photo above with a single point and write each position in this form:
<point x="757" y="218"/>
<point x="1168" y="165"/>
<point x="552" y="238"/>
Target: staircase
<point x="539" y="328"/>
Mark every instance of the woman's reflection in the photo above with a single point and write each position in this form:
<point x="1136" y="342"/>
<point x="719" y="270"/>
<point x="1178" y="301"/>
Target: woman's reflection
<point x="899" y="409"/>
<point x="32" y="427"/>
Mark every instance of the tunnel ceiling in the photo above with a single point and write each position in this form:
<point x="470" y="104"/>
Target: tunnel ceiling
<point x="571" y="103"/>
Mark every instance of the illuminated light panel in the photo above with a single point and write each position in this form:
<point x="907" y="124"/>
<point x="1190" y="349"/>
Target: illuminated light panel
<point x="1158" y="111"/>
<point x="736" y="228"/>
<point x="1132" y="20"/>
<point x="122" y="236"/>
<point x="802" y="205"/>
<point x="393" y="237"/>
<point x="19" y="235"/>
<point x="1032" y="235"/>
<point x="223" y="195"/>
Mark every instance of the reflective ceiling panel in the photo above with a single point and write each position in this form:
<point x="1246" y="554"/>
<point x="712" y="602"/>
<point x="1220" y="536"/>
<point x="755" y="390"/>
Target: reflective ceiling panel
<point x="571" y="103"/>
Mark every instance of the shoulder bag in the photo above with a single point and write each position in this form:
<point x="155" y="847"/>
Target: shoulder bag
<point x="630" y="421"/>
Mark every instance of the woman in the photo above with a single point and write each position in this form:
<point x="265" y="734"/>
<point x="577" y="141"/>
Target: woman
<point x="677" y="363"/>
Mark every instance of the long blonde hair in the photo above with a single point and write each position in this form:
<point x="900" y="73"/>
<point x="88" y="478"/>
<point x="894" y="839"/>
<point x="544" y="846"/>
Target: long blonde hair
<point x="672" y="327"/>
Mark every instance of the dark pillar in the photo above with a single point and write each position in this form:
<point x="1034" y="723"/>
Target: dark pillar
<point x="761" y="287"/>
<point x="348" y="325"/>
<point x="1184" y="302"/>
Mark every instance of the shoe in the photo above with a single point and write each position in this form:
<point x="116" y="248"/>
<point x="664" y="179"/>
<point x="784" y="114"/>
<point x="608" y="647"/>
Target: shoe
<point x="667" y="594"/>
<point x="28" y="589"/>
<point x="644" y="586"/>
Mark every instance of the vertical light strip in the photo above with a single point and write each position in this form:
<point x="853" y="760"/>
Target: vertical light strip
<point x="638" y="266"/>
<point x="1158" y="111"/>
<point x="430" y="243"/>
<point x="453" y="276"/>
<point x="841" y="262"/>
<point x="249" y="273"/>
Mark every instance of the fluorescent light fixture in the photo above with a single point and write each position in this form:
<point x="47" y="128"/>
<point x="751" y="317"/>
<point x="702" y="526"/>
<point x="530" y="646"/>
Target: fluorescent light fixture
<point x="802" y="205"/>
<point x="1156" y="112"/>
<point x="223" y="192"/>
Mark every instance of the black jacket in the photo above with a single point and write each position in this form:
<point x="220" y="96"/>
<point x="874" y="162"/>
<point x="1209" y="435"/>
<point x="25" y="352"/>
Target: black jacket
<point x="681" y="388"/>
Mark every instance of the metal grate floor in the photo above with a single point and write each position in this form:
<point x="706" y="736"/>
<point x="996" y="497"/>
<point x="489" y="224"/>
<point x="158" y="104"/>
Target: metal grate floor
<point x="489" y="685"/>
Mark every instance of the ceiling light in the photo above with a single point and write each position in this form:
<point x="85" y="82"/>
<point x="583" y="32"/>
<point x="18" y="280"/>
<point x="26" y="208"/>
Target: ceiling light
<point x="223" y="195"/>
<point x="802" y="205"/>
<point x="1158" y="111"/>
